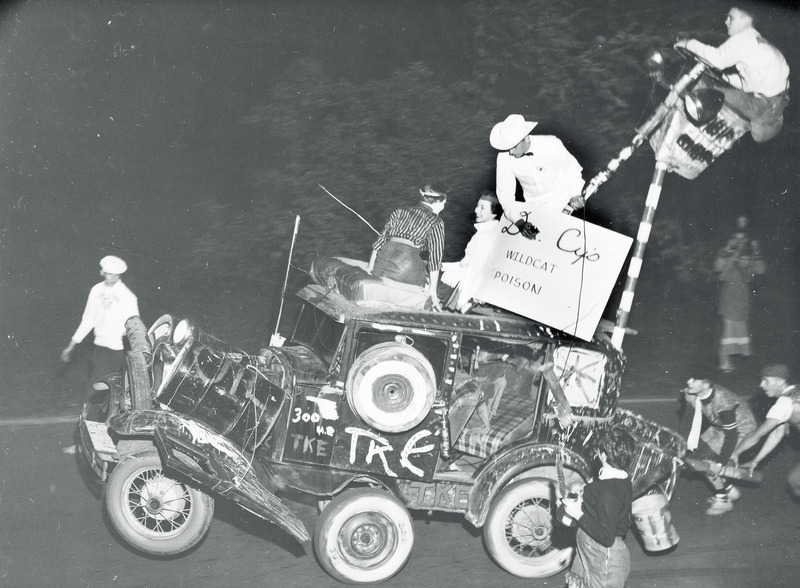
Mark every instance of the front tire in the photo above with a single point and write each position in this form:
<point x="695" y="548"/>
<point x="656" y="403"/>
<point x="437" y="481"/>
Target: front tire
<point x="152" y="512"/>
<point x="521" y="534"/>
<point x="363" y="536"/>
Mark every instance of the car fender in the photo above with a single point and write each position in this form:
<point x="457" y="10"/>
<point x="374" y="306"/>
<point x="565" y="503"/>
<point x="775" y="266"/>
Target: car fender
<point x="211" y="460"/>
<point x="511" y="463"/>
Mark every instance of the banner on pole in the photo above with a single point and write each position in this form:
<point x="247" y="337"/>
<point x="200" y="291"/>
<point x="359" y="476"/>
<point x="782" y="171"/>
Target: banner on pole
<point x="562" y="279"/>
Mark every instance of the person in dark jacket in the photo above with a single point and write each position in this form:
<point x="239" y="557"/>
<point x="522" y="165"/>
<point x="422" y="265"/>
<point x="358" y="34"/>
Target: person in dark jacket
<point x="602" y="559"/>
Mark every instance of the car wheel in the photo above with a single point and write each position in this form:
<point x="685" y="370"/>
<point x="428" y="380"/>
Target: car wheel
<point x="520" y="532"/>
<point x="391" y="387"/>
<point x="363" y="536"/>
<point x="152" y="512"/>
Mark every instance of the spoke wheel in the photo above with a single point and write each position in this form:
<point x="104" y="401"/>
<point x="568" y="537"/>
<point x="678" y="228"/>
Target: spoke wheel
<point x="153" y="512"/>
<point x="363" y="536"/>
<point x="521" y="534"/>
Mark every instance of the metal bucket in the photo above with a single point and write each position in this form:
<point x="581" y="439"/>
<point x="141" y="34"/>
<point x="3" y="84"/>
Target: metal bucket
<point x="654" y="522"/>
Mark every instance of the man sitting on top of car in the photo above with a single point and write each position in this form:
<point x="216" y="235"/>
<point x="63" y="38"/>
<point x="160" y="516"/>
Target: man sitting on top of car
<point x="760" y="81"/>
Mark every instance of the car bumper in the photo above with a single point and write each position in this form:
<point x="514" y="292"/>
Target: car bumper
<point x="96" y="445"/>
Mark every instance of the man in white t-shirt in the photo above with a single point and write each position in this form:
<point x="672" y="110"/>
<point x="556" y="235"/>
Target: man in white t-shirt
<point x="785" y="412"/>
<point x="109" y="306"/>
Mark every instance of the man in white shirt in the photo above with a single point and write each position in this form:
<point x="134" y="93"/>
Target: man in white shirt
<point x="760" y="76"/>
<point x="785" y="412"/>
<point x="109" y="306"/>
<point x="549" y="175"/>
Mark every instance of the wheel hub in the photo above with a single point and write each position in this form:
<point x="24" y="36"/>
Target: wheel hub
<point x="367" y="540"/>
<point x="162" y="497"/>
<point x="154" y="506"/>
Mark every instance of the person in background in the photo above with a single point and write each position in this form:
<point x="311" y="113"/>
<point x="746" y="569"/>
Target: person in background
<point x="728" y="419"/>
<point x="759" y="82"/>
<point x="549" y="175"/>
<point x="409" y="231"/>
<point x="786" y="411"/>
<point x="109" y="305"/>
<point x="602" y="559"/>
<point x="736" y="265"/>
<point x="462" y="276"/>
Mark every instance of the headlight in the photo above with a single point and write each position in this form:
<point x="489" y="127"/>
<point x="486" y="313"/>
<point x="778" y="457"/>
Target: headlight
<point x="184" y="330"/>
<point x="704" y="105"/>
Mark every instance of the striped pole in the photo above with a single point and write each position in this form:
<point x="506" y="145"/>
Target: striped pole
<point x="647" y="128"/>
<point x="643" y="236"/>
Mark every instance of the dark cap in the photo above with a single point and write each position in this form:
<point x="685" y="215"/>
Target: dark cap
<point x="699" y="371"/>
<point x="776" y="370"/>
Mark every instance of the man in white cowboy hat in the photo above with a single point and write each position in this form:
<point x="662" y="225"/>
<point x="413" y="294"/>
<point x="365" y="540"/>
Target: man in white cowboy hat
<point x="785" y="412"/>
<point x="109" y="305"/>
<point x="549" y="175"/>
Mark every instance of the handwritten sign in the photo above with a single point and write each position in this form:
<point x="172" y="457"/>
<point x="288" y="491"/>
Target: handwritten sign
<point x="562" y="278"/>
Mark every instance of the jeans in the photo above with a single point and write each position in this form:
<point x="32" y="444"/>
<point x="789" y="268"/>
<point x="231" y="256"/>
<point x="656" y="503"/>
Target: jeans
<point x="596" y="566"/>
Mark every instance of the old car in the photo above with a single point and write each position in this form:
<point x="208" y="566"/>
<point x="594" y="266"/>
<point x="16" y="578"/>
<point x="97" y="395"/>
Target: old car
<point x="375" y="412"/>
<point x="377" y="407"/>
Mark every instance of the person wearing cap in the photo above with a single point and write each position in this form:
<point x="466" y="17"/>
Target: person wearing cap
<point x="759" y="82"/>
<point x="410" y="230"/>
<point x="109" y="305"/>
<point x="462" y="276"/>
<point x="549" y="175"/>
<point x="785" y="412"/>
<point x="727" y="419"/>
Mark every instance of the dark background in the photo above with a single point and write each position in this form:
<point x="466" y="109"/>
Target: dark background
<point x="186" y="136"/>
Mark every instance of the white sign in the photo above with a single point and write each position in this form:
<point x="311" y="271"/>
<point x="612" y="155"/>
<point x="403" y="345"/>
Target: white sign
<point x="562" y="278"/>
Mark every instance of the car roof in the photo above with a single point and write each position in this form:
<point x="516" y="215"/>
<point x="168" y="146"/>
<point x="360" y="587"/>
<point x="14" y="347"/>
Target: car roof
<point x="492" y="322"/>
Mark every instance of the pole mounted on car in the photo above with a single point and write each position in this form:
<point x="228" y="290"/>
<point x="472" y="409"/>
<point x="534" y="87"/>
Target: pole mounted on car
<point x="276" y="340"/>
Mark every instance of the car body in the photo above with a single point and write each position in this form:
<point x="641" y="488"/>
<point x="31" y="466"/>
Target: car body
<point x="375" y="412"/>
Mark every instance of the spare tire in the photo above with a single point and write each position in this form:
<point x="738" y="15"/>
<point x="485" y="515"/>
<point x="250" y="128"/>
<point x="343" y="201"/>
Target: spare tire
<point x="391" y="386"/>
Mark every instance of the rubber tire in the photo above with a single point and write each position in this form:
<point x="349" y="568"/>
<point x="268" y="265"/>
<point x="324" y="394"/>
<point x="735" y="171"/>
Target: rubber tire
<point x="361" y="514"/>
<point x="540" y="495"/>
<point x="129" y="519"/>
<point x="136" y="381"/>
<point x="391" y="387"/>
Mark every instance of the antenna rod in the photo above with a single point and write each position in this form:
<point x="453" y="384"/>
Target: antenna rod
<point x="350" y="209"/>
<point x="286" y="278"/>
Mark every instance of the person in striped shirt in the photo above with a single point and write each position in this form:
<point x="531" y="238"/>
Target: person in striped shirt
<point x="410" y="231"/>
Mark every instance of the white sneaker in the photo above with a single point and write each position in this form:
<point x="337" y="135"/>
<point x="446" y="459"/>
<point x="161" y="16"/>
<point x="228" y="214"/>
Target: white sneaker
<point x="719" y="507"/>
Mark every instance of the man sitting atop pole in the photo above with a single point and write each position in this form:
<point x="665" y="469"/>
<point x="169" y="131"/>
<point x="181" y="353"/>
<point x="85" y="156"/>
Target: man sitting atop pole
<point x="759" y="82"/>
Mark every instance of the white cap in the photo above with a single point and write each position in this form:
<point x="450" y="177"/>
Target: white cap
<point x="112" y="264"/>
